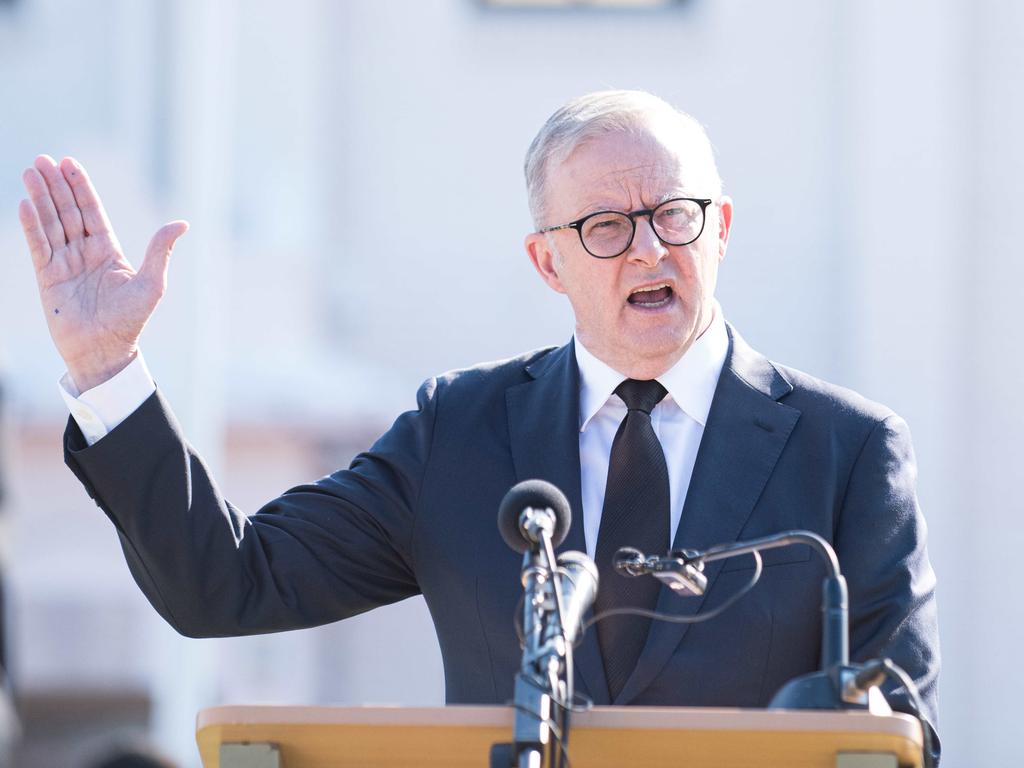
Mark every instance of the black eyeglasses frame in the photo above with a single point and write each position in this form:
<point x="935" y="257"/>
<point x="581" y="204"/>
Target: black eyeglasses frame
<point x="632" y="216"/>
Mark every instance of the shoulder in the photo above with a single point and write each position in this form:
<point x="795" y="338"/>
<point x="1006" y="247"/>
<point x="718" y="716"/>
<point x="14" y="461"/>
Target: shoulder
<point x="853" y="423"/>
<point x="811" y="392"/>
<point x="474" y="400"/>
<point x="497" y="374"/>
<point x="821" y="403"/>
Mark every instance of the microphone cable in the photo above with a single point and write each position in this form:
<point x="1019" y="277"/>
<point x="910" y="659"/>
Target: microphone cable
<point x="874" y="674"/>
<point x="696" y="618"/>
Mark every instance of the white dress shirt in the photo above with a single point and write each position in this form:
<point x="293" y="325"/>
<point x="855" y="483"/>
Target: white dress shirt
<point x="678" y="421"/>
<point x="100" y="409"/>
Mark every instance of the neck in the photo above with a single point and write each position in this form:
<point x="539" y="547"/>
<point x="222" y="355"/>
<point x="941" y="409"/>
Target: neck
<point x="644" y="369"/>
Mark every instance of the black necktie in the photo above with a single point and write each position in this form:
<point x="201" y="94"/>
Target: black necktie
<point x="635" y="514"/>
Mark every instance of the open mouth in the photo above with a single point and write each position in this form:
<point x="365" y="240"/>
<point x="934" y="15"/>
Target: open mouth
<point x="651" y="296"/>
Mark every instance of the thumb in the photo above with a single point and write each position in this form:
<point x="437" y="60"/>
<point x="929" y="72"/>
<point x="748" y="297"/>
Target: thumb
<point x="158" y="254"/>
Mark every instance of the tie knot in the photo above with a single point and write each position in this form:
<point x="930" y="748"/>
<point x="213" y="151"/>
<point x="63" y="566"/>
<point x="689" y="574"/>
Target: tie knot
<point x="641" y="395"/>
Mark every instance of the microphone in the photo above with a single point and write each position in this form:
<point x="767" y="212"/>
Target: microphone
<point x="530" y="510"/>
<point x="533" y="519"/>
<point x="682" y="571"/>
<point x="817" y="690"/>
<point x="577" y="575"/>
<point x="629" y="561"/>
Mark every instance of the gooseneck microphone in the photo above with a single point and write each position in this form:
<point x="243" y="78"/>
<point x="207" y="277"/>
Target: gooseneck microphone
<point x="837" y="684"/>
<point x="534" y="518"/>
<point x="683" y="571"/>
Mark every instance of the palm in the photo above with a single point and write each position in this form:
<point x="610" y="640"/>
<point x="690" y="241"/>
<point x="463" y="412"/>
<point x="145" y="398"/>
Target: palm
<point x="87" y="292"/>
<point x="96" y="304"/>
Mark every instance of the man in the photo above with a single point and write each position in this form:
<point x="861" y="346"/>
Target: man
<point x="658" y="421"/>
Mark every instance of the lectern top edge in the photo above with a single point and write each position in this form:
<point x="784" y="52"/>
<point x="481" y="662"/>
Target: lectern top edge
<point x="655" y="718"/>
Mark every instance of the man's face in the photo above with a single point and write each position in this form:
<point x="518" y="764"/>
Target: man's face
<point x="615" y="318"/>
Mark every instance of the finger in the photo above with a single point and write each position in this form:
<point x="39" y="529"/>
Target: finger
<point x="37" y="242"/>
<point x="67" y="208"/>
<point x="40" y="194"/>
<point x="93" y="215"/>
<point x="158" y="254"/>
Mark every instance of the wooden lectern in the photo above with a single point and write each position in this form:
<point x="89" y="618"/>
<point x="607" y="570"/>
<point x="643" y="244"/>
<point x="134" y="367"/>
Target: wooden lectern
<point x="452" y="737"/>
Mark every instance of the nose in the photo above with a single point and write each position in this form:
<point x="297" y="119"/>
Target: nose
<point x="646" y="248"/>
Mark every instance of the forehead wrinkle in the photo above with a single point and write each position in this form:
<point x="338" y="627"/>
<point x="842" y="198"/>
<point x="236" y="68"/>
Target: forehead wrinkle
<point x="624" y="173"/>
<point x="641" y="186"/>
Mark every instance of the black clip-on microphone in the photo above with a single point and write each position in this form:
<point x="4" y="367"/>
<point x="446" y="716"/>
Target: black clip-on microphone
<point x="534" y="518"/>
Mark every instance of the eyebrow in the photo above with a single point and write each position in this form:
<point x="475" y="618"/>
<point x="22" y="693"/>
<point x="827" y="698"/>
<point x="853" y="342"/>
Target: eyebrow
<point x="599" y="208"/>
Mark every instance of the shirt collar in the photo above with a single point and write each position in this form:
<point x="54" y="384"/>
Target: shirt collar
<point x="691" y="382"/>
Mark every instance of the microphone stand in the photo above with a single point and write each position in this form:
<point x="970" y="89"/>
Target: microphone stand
<point x="543" y="685"/>
<point x="835" y="644"/>
<point x="836" y="684"/>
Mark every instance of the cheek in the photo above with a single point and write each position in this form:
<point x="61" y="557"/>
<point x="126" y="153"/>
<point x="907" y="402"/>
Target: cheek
<point x="691" y="265"/>
<point x="705" y="264"/>
<point x="601" y="304"/>
<point x="593" y="289"/>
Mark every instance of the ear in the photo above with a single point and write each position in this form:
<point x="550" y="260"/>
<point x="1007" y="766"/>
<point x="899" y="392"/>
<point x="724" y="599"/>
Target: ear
<point x="724" y="224"/>
<point x="544" y="260"/>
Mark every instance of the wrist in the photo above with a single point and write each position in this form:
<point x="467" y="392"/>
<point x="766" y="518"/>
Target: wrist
<point x="87" y="375"/>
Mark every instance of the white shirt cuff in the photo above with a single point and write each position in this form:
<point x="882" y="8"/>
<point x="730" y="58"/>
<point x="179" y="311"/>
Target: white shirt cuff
<point x="98" y="410"/>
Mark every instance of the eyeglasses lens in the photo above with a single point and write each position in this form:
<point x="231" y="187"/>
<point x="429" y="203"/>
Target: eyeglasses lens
<point x="607" y="234"/>
<point x="676" y="222"/>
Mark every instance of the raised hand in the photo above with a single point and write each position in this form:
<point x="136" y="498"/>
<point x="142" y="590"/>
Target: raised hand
<point x="96" y="304"/>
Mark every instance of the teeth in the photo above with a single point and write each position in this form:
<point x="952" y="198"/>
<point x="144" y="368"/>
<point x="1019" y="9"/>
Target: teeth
<point x="649" y="288"/>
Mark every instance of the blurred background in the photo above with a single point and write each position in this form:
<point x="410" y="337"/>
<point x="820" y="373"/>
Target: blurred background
<point x="352" y="174"/>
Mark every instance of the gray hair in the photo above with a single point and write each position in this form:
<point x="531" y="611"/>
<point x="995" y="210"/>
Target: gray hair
<point x="597" y="114"/>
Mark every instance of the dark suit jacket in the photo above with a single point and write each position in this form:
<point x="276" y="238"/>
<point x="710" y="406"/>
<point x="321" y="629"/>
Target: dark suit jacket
<point x="416" y="513"/>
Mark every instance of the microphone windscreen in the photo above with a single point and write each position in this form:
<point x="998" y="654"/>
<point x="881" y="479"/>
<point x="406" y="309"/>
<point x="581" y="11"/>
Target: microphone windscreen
<point x="536" y="494"/>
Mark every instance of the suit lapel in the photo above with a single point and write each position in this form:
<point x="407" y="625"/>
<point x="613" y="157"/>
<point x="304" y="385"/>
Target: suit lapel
<point x="543" y="427"/>
<point x="745" y="434"/>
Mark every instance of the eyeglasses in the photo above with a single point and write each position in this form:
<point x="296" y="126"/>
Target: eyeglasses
<point x="607" y="234"/>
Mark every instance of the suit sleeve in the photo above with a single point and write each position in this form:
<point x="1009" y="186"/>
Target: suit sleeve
<point x="318" y="553"/>
<point x="881" y="543"/>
